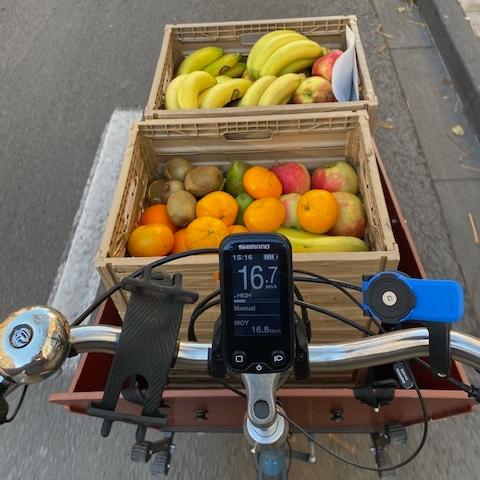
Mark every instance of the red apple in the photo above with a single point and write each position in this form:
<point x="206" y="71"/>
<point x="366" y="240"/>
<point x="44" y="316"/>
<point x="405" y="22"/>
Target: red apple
<point x="290" y="202"/>
<point x="323" y="67"/>
<point x="351" y="219"/>
<point x="293" y="176"/>
<point x="336" y="177"/>
<point x="314" y="90"/>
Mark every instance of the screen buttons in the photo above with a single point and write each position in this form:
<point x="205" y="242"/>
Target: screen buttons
<point x="239" y="358"/>
<point x="278" y="358"/>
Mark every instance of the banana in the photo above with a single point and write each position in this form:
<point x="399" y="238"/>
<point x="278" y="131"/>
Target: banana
<point x="270" y="48"/>
<point x="222" y="78"/>
<point x="172" y="90"/>
<point x="301" y="49"/>
<point x="260" y="43"/>
<point x="281" y="90"/>
<point x="218" y="79"/>
<point x="246" y="74"/>
<point x="236" y="71"/>
<point x="304" y="242"/>
<point x="222" y="64"/>
<point x="199" y="59"/>
<point x="225" y="92"/>
<point x="191" y="86"/>
<point x="297" y="66"/>
<point x="255" y="92"/>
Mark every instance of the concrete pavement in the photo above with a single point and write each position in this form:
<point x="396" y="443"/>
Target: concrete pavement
<point x="64" y="68"/>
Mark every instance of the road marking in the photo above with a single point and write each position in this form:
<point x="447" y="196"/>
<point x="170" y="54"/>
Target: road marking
<point x="77" y="281"/>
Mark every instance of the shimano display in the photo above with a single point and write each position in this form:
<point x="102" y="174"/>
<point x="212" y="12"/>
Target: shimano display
<point x="257" y="320"/>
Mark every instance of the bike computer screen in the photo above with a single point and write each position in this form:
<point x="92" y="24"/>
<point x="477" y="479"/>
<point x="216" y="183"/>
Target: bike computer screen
<point x="257" y="302"/>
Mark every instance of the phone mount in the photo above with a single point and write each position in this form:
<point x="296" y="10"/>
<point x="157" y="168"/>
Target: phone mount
<point x="394" y="298"/>
<point x="150" y="330"/>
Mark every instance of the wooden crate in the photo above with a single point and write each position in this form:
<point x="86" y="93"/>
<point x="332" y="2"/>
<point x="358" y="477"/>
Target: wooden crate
<point x="314" y="140"/>
<point x="181" y="40"/>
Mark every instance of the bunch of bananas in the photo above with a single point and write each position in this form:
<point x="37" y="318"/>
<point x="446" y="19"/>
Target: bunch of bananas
<point x="211" y="78"/>
<point x="207" y="79"/>
<point x="281" y="52"/>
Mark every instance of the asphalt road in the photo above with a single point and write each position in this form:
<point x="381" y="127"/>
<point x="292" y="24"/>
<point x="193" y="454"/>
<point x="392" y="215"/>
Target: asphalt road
<point x="64" y="67"/>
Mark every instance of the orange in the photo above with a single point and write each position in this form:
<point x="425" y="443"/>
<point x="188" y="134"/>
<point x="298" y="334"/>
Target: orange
<point x="205" y="232"/>
<point x="260" y="182"/>
<point x="237" y="229"/>
<point x="157" y="214"/>
<point x="152" y="240"/>
<point x="264" y="215"/>
<point x="219" y="205"/>
<point x="179" y="241"/>
<point x="317" y="211"/>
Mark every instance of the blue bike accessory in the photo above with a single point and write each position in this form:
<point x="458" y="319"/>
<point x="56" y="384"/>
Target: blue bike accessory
<point x="393" y="297"/>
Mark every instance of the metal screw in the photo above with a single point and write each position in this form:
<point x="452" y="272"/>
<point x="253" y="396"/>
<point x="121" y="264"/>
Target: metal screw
<point x="201" y="415"/>
<point x="301" y="356"/>
<point x="389" y="298"/>
<point x="336" y="415"/>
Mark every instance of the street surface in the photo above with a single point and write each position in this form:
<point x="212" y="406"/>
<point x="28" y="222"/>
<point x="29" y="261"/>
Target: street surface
<point x="66" y="66"/>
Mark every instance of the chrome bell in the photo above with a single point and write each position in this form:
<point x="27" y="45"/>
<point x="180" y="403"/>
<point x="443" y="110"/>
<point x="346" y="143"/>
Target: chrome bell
<point x="34" y="343"/>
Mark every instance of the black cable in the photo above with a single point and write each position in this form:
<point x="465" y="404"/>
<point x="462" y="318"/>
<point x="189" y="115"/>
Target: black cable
<point x="336" y="316"/>
<point x="233" y="389"/>
<point x="335" y="283"/>
<point x="199" y="312"/>
<point x="194" y="315"/>
<point x="305" y="318"/>
<point x="325" y="281"/>
<point x="366" y="467"/>
<point x="290" y="456"/>
<point x="157" y="263"/>
<point x="19" y="404"/>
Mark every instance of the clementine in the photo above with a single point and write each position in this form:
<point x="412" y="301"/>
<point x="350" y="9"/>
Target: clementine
<point x="317" y="211"/>
<point x="219" y="205"/>
<point x="237" y="229"/>
<point x="264" y="215"/>
<point x="260" y="182"/>
<point x="205" y="232"/>
<point x="152" y="240"/>
<point x="179" y="244"/>
<point x="157" y="214"/>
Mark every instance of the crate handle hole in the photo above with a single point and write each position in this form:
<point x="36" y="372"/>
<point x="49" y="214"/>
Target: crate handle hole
<point x="247" y="136"/>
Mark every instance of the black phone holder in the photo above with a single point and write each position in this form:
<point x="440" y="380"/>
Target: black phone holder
<point x="217" y="365"/>
<point x="146" y="350"/>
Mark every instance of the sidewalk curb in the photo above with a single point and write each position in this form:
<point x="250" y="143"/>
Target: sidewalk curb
<point x="460" y="50"/>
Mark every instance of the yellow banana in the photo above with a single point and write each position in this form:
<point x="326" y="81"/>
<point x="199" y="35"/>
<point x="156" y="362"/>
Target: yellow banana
<point x="260" y="43"/>
<point x="225" y="92"/>
<point x="172" y="90"/>
<point x="236" y="71"/>
<point x="222" y="78"/>
<point x="300" y="49"/>
<point x="246" y="74"/>
<point x="297" y="66"/>
<point x="281" y="90"/>
<point x="304" y="242"/>
<point x="222" y="64"/>
<point x="218" y="79"/>
<point x="199" y="59"/>
<point x="255" y="92"/>
<point x="191" y="86"/>
<point x="270" y="48"/>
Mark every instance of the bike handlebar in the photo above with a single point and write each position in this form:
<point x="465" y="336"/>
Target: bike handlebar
<point x="368" y="352"/>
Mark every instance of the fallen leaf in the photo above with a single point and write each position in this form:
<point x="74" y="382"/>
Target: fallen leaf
<point x="401" y="9"/>
<point x="387" y="125"/>
<point x="458" y="130"/>
<point x="476" y="238"/>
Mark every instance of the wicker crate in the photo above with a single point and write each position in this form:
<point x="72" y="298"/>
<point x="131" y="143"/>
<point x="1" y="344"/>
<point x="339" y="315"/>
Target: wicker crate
<point x="181" y="40"/>
<point x="311" y="139"/>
